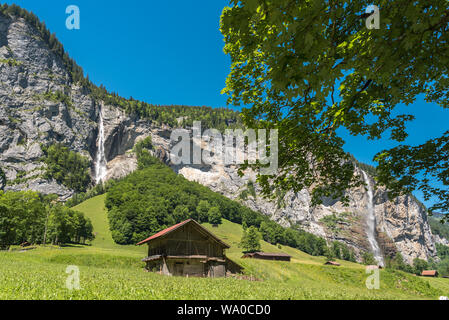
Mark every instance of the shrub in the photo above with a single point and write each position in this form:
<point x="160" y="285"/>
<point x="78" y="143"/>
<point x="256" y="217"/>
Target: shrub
<point x="368" y="258"/>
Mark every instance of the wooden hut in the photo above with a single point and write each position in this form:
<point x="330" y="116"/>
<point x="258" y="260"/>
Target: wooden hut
<point x="429" y="273"/>
<point x="188" y="249"/>
<point x="267" y="256"/>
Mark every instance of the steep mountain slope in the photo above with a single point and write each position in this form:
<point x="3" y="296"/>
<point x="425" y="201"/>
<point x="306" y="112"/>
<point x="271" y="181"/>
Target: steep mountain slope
<point x="42" y="104"/>
<point x="32" y="114"/>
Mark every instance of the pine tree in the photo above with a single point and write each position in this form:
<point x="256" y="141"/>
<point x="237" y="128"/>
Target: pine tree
<point x="251" y="240"/>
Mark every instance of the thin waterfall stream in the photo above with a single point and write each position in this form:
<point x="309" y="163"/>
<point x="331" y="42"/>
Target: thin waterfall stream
<point x="371" y="222"/>
<point x="100" y="161"/>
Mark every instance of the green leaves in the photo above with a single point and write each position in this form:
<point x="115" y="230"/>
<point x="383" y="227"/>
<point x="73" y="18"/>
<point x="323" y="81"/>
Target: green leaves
<point x="23" y="217"/>
<point x="252" y="5"/>
<point x="251" y="240"/>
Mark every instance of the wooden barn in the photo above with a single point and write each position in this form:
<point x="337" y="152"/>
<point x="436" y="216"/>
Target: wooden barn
<point x="189" y="250"/>
<point x="267" y="256"/>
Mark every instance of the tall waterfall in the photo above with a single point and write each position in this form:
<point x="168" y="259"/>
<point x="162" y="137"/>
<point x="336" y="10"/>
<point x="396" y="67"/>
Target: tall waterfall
<point x="100" y="161"/>
<point x="371" y="222"/>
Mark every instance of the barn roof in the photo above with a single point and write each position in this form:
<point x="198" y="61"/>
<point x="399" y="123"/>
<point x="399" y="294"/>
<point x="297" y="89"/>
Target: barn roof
<point x="167" y="231"/>
<point x="266" y="254"/>
<point x="333" y="263"/>
<point x="270" y="254"/>
<point x="429" y="273"/>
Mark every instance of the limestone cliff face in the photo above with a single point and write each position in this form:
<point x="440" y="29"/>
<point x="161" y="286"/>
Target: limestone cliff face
<point x="31" y="117"/>
<point x="405" y="222"/>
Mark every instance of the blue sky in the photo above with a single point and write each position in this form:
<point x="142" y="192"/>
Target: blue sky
<point x="163" y="52"/>
<point x="171" y="52"/>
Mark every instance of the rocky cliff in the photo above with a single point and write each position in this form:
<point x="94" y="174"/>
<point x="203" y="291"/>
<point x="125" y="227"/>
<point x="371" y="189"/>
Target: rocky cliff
<point x="31" y="116"/>
<point x="41" y="105"/>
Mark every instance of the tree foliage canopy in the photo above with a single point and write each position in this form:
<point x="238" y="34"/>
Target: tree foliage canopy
<point x="309" y="68"/>
<point x="24" y="216"/>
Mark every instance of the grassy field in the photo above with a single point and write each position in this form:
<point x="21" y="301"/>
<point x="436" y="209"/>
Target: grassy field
<point x="110" y="271"/>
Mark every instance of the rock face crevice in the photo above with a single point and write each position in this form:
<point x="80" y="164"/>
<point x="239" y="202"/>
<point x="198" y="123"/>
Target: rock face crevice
<point x="31" y="117"/>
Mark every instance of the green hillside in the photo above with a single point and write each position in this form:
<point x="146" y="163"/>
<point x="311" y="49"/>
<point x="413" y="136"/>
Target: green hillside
<point x="110" y="271"/>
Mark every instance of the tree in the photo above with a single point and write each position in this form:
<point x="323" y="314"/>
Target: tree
<point x="368" y="258"/>
<point x="330" y="254"/>
<point x="310" y="69"/>
<point x="60" y="225"/>
<point x="336" y="248"/>
<point x="8" y="226"/>
<point x="251" y="240"/>
<point x="345" y="253"/>
<point x="214" y="216"/>
<point x="22" y="218"/>
<point x="398" y="263"/>
<point x="68" y="226"/>
<point x="419" y="266"/>
<point x="443" y="267"/>
<point x="144" y="158"/>
<point x="181" y="213"/>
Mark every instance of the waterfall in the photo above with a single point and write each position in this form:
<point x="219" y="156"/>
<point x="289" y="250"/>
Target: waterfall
<point x="371" y="222"/>
<point x="100" y="161"/>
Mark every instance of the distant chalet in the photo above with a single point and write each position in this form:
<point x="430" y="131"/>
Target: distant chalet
<point x="429" y="273"/>
<point x="332" y="263"/>
<point x="188" y="250"/>
<point x="267" y="256"/>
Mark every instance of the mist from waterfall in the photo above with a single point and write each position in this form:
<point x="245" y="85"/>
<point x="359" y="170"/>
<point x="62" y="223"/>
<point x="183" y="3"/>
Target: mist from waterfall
<point x="371" y="222"/>
<point x="100" y="160"/>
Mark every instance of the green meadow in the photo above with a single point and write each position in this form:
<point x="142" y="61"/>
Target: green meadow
<point x="110" y="271"/>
